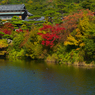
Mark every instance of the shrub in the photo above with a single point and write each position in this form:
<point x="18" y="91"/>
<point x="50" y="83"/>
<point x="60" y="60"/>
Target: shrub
<point x="52" y="34"/>
<point x="17" y="41"/>
<point x="32" y="46"/>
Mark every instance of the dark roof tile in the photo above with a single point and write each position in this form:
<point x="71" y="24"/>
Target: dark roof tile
<point x="12" y="7"/>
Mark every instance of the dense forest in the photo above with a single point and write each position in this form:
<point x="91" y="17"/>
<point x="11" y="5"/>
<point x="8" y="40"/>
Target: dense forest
<point x="65" y="35"/>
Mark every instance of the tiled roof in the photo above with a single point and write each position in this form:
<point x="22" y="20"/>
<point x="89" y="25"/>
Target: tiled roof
<point x="12" y="7"/>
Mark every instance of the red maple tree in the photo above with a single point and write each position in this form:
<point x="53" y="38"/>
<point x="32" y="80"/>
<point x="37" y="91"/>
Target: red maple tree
<point x="52" y="34"/>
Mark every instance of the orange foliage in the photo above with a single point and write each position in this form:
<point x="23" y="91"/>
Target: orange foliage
<point x="71" y="22"/>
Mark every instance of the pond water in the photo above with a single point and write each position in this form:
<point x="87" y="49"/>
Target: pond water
<point x="39" y="78"/>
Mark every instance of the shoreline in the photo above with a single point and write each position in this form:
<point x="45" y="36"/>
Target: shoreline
<point x="78" y="64"/>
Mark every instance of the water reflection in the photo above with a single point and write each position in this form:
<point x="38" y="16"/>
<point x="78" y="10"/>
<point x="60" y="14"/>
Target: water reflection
<point x="38" y="78"/>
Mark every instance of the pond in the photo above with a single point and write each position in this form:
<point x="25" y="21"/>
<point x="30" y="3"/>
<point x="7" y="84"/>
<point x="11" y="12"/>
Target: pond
<point x="38" y="78"/>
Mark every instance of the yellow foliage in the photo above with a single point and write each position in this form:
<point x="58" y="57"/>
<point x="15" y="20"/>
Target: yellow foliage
<point x="84" y="24"/>
<point x="76" y="40"/>
<point x="78" y="33"/>
<point x="3" y="43"/>
<point x="44" y="32"/>
<point x="81" y="32"/>
<point x="30" y="1"/>
<point x="39" y="38"/>
<point x="71" y="41"/>
<point x="82" y="44"/>
<point x="3" y="1"/>
<point x="2" y="52"/>
<point x="33" y="45"/>
<point x="78" y="49"/>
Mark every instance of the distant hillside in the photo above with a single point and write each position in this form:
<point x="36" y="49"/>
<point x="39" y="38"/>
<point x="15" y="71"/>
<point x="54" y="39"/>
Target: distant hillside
<point x="42" y="1"/>
<point x="38" y="7"/>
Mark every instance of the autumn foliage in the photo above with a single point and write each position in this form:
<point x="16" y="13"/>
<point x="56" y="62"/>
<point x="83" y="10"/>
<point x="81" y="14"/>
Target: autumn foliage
<point x="7" y="28"/>
<point x="52" y="34"/>
<point x="19" y="30"/>
<point x="70" y="22"/>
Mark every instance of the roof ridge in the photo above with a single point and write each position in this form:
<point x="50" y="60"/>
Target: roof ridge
<point x="12" y="7"/>
<point x="12" y="4"/>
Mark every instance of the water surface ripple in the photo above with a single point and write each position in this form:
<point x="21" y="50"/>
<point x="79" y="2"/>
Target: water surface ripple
<point x="38" y="78"/>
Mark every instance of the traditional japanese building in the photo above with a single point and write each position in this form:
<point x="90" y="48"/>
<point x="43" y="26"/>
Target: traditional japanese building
<point x="8" y="11"/>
